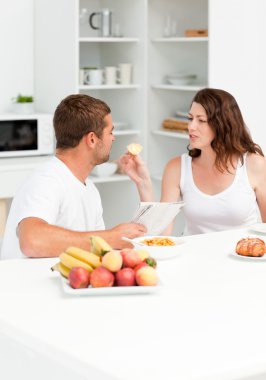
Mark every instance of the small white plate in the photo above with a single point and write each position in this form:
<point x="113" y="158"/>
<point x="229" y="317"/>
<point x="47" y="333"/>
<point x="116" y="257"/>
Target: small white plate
<point x="109" y="291"/>
<point x="252" y="258"/>
<point x="260" y="228"/>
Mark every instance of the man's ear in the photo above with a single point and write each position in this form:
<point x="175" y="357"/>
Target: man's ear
<point x="91" y="139"/>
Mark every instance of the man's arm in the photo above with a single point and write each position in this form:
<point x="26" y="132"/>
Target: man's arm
<point x="37" y="238"/>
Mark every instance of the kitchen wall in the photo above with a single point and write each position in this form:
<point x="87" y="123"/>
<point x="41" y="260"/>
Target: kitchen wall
<point x="16" y="47"/>
<point x="240" y="66"/>
<point x="244" y="75"/>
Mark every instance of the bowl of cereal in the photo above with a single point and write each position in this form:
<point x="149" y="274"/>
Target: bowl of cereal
<point x="160" y="247"/>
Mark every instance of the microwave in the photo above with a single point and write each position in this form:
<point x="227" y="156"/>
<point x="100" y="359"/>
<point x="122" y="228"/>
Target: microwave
<point x="26" y="135"/>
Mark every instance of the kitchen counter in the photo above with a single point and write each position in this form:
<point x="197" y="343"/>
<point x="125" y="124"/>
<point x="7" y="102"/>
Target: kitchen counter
<point x="206" y="323"/>
<point x="13" y="172"/>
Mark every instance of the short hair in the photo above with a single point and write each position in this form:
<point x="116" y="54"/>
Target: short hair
<point x="77" y="115"/>
<point x="232" y="138"/>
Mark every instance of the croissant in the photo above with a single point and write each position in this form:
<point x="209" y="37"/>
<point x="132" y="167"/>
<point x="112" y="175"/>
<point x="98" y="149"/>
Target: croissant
<point x="254" y="247"/>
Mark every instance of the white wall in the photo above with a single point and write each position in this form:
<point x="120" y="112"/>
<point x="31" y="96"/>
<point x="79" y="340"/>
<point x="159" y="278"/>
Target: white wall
<point x="16" y="44"/>
<point x="238" y="58"/>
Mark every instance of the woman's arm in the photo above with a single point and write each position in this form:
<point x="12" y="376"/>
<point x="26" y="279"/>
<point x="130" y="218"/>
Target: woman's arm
<point x="171" y="186"/>
<point x="256" y="168"/>
<point x="136" y="169"/>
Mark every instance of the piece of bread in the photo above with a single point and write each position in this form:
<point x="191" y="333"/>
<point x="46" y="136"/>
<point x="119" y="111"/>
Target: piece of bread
<point x="134" y="149"/>
<point x="254" y="247"/>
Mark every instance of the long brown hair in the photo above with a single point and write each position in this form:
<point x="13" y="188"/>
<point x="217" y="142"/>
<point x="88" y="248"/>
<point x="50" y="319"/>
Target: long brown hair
<point x="76" y="116"/>
<point x="232" y="138"/>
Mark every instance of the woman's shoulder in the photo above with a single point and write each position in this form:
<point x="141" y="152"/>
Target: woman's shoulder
<point x="256" y="162"/>
<point x="174" y="163"/>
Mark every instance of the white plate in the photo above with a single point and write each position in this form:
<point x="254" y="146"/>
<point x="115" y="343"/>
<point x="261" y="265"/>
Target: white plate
<point x="252" y="258"/>
<point x="109" y="291"/>
<point x="260" y="228"/>
<point x="161" y="252"/>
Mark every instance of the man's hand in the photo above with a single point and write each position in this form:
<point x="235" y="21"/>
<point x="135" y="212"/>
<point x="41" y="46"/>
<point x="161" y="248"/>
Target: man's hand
<point x="130" y="230"/>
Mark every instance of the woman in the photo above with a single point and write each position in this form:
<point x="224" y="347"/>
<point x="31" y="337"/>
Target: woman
<point x="222" y="178"/>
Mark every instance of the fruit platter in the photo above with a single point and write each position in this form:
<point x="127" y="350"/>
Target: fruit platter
<point x="106" y="271"/>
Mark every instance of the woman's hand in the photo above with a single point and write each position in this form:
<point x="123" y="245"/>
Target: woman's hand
<point x="135" y="168"/>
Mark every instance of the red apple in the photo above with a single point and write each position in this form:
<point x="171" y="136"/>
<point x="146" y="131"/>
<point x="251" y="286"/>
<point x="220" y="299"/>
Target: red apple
<point x="151" y="262"/>
<point x="101" y="277"/>
<point x="146" y="276"/>
<point x="79" y="278"/>
<point x="125" y="277"/>
<point x="130" y="258"/>
<point x="140" y="265"/>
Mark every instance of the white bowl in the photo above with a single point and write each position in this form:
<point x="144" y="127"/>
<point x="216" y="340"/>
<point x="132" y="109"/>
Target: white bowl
<point x="104" y="170"/>
<point x="180" y="79"/>
<point x="160" y="252"/>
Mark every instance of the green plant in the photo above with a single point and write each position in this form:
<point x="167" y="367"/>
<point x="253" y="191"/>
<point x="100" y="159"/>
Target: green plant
<point x="23" y="99"/>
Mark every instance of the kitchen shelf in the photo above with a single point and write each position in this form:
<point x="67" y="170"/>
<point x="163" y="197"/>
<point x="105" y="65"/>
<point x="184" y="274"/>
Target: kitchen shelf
<point x="126" y="132"/>
<point x="178" y="88"/>
<point x="181" y="39"/>
<point x="108" y="39"/>
<point x="178" y="135"/>
<point x="110" y="87"/>
<point x="112" y="178"/>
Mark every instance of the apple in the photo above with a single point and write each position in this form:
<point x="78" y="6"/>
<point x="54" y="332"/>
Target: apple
<point x="146" y="276"/>
<point x="79" y="278"/>
<point x="143" y="254"/>
<point x="125" y="277"/>
<point x="151" y="262"/>
<point x="101" y="277"/>
<point x="112" y="260"/>
<point x="140" y="265"/>
<point x="130" y="258"/>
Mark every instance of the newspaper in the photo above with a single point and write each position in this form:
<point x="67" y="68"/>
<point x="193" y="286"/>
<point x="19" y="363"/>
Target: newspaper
<point x="156" y="216"/>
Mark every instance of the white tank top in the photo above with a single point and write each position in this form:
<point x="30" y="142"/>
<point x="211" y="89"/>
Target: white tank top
<point x="234" y="207"/>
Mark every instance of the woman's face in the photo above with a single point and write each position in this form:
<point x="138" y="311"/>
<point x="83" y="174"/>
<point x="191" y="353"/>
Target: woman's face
<point x="200" y="133"/>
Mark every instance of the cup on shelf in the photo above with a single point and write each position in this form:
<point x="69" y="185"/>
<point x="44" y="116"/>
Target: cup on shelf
<point x="124" y="73"/>
<point x="110" y="75"/>
<point x="93" y="76"/>
<point x="82" y="76"/>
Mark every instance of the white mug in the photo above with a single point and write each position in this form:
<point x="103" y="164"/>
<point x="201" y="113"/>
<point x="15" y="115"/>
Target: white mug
<point x="125" y="73"/>
<point x="110" y="75"/>
<point x="82" y="76"/>
<point x="94" y="77"/>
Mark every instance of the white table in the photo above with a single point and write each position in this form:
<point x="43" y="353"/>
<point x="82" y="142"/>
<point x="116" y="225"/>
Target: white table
<point x="207" y="323"/>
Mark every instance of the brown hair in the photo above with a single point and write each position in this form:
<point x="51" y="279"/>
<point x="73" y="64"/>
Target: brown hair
<point x="232" y="138"/>
<point x="76" y="116"/>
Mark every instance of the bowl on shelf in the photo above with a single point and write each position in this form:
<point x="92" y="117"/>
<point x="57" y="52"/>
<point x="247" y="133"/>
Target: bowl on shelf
<point x="180" y="79"/>
<point x="104" y="170"/>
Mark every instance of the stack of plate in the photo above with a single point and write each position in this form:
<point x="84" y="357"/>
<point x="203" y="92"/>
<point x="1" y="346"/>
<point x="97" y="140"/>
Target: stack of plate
<point x="179" y="79"/>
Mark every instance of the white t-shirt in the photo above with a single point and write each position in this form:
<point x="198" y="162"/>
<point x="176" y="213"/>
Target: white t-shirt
<point x="235" y="207"/>
<point x="54" y="194"/>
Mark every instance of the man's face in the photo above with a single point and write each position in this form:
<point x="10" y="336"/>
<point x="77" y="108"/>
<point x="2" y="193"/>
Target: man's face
<point x="104" y="144"/>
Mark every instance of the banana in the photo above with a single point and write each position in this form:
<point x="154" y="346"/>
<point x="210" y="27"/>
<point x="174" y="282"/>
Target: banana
<point x="99" y="246"/>
<point x="71" y="262"/>
<point x="61" y="268"/>
<point x="88" y="257"/>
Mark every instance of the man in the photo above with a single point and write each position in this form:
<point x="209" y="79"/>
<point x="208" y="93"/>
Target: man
<point x="58" y="206"/>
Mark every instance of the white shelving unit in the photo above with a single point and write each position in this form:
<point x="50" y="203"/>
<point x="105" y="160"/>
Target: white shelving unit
<point x="70" y="44"/>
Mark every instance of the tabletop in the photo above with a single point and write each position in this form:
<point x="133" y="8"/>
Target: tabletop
<point x="206" y="322"/>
